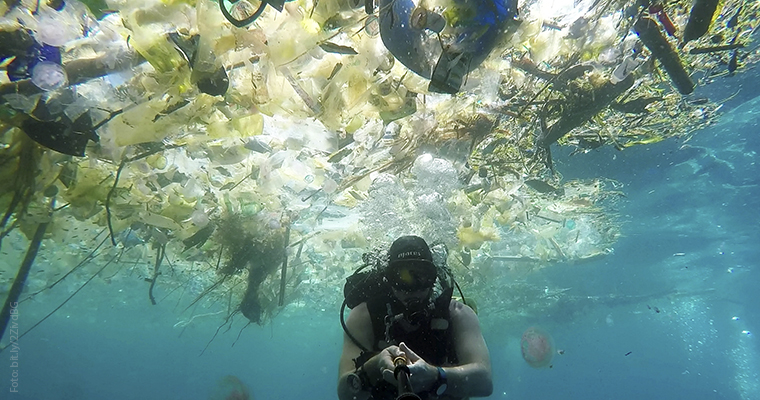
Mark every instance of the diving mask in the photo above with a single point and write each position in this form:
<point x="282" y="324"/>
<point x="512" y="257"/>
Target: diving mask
<point x="411" y="276"/>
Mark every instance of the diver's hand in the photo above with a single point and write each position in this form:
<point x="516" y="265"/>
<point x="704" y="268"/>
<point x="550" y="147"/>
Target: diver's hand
<point x="422" y="375"/>
<point x="381" y="365"/>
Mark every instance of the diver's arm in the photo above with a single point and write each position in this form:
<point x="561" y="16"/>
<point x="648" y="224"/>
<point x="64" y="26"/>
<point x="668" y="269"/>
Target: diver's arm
<point x="360" y="326"/>
<point x="472" y="377"/>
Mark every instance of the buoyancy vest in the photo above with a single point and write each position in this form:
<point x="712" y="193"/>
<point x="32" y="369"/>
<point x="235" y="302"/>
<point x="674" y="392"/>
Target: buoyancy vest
<point x="428" y="335"/>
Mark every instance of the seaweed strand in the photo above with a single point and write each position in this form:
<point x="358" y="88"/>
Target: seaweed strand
<point x="116" y="182"/>
<point x="108" y="201"/>
<point x="64" y="302"/>
<point x="84" y="261"/>
<point x="159" y="257"/>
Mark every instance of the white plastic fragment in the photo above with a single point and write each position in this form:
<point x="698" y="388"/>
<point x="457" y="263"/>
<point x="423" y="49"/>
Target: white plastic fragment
<point x="624" y="69"/>
<point x="49" y="76"/>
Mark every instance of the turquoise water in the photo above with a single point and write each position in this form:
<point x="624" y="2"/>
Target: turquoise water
<point x="689" y="250"/>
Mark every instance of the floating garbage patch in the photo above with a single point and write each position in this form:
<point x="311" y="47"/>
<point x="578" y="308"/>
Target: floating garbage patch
<point x="249" y="153"/>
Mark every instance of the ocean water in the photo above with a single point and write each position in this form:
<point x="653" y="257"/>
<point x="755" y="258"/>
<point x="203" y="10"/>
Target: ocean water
<point x="678" y="318"/>
<point x="671" y="314"/>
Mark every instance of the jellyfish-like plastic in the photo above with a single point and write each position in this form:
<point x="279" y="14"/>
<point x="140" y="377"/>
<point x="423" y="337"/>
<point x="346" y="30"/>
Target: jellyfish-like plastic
<point x="49" y="76"/>
<point x="537" y="347"/>
<point x="230" y="388"/>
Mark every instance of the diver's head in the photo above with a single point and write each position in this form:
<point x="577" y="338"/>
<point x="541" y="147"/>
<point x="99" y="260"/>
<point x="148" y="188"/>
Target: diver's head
<point x="411" y="272"/>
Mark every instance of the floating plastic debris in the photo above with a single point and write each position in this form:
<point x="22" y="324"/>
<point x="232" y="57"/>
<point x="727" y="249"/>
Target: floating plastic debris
<point x="49" y="76"/>
<point x="281" y="125"/>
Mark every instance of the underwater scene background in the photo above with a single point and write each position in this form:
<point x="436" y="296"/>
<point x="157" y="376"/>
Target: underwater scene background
<point x="689" y="251"/>
<point x="195" y="244"/>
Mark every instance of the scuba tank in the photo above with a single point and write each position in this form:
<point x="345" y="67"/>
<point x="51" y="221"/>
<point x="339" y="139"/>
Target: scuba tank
<point x="362" y="286"/>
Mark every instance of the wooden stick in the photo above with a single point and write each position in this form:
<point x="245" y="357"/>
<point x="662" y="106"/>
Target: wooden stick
<point x="11" y="302"/>
<point x="284" y="267"/>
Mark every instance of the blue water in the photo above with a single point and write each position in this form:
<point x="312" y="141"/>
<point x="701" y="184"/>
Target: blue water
<point x="689" y="250"/>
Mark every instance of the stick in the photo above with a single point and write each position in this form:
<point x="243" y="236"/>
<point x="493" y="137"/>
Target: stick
<point x="159" y="258"/>
<point x="284" y="267"/>
<point x="515" y="258"/>
<point x="578" y="114"/>
<point x="23" y="272"/>
<point x="108" y="201"/>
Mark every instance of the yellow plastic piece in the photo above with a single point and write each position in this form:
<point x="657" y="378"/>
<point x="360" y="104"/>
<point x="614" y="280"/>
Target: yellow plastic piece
<point x="159" y="221"/>
<point x="250" y="125"/>
<point x="469" y="237"/>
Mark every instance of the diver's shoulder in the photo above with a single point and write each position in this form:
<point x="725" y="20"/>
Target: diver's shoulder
<point x="361" y="308"/>
<point x="457" y="307"/>
<point x="359" y="320"/>
<point x="360" y="312"/>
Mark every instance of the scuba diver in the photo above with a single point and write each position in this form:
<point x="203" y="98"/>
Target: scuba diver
<point x="405" y="337"/>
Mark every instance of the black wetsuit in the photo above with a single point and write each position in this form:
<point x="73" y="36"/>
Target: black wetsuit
<point x="429" y="335"/>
